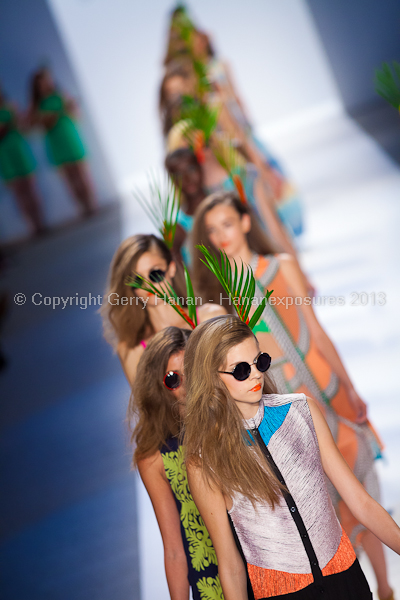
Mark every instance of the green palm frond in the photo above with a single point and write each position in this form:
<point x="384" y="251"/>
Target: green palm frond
<point x="161" y="205"/>
<point x="203" y="85"/>
<point x="166" y="292"/>
<point x="183" y="25"/>
<point x="239" y="286"/>
<point x="387" y="83"/>
<point x="200" y="116"/>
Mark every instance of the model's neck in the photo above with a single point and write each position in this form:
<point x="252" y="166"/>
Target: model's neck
<point x="248" y="409"/>
<point x="244" y="254"/>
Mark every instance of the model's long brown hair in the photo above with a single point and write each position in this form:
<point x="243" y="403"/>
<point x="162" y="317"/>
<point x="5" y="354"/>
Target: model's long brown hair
<point x="130" y="323"/>
<point x="215" y="437"/>
<point x="206" y="285"/>
<point x="153" y="413"/>
<point x="170" y="111"/>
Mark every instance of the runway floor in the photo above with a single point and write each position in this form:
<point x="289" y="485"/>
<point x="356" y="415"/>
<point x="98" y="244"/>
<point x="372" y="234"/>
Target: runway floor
<point x="75" y="521"/>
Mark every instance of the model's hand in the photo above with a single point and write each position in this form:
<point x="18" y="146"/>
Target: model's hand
<point x="359" y="406"/>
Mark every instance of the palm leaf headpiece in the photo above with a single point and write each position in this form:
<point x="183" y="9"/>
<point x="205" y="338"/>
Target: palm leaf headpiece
<point x="201" y="122"/>
<point x="161" y="205"/>
<point x="240" y="286"/>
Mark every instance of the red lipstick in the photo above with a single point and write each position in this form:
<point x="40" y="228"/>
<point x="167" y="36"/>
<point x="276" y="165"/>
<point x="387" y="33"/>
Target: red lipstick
<point x="256" y="388"/>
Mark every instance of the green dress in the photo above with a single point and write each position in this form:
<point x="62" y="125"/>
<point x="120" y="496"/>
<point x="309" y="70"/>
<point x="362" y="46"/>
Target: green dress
<point x="63" y="141"/>
<point x="200" y="554"/>
<point x="16" y="158"/>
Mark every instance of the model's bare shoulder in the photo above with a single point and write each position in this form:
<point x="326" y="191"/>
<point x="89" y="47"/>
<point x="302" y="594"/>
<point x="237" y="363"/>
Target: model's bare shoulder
<point x="208" y="311"/>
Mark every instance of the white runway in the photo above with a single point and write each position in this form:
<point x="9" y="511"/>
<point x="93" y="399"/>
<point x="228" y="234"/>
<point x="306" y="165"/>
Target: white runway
<point x="351" y="193"/>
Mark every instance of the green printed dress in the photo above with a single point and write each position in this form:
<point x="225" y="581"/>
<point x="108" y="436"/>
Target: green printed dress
<point x="16" y="158"/>
<point x="200" y="554"/>
<point x="63" y="141"/>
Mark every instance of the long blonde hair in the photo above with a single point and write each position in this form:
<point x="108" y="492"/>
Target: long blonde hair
<point x="153" y="413"/>
<point x="130" y="323"/>
<point x="215" y="437"/>
<point x="207" y="286"/>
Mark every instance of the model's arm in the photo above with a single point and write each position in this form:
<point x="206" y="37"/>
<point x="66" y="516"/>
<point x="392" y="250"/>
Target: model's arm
<point x="153" y="476"/>
<point x="364" y="508"/>
<point x="212" y="507"/>
<point x="129" y="358"/>
<point x="45" y="119"/>
<point x="323" y="342"/>
<point x="71" y="106"/>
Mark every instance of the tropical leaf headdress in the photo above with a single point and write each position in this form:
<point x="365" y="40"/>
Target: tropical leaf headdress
<point x="161" y="204"/>
<point x="240" y="286"/>
<point x="201" y="122"/>
<point x="387" y="83"/>
<point x="166" y="292"/>
<point x="183" y="25"/>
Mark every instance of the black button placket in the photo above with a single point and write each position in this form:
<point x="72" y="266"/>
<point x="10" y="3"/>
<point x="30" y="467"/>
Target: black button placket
<point x="312" y="557"/>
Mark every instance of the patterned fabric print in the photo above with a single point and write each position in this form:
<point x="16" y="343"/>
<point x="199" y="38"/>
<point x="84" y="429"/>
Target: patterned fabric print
<point x="359" y="445"/>
<point x="277" y="560"/>
<point x="210" y="588"/>
<point x="200" y="553"/>
<point x="270" y="538"/>
<point x="294" y="353"/>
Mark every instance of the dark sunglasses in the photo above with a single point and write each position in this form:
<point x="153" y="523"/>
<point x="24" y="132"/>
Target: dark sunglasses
<point x="172" y="380"/>
<point x="155" y="276"/>
<point x="243" y="369"/>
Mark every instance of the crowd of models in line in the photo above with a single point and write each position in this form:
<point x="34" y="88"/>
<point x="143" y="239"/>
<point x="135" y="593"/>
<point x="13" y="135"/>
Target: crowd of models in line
<point x="248" y="433"/>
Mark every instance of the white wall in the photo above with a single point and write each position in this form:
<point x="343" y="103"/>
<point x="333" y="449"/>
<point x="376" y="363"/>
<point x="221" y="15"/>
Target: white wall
<point x="116" y="47"/>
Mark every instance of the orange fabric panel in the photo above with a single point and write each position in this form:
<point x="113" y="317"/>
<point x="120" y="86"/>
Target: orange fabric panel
<point x="268" y="582"/>
<point x="289" y="370"/>
<point x="318" y="365"/>
<point x="261" y="266"/>
<point x="347" y="444"/>
<point x="343" y="559"/>
<point x="341" y="404"/>
<point x="288" y="313"/>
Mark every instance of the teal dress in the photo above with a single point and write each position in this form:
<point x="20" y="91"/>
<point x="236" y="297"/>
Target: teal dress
<point x="63" y="141"/>
<point x="16" y="158"/>
<point x="186" y="222"/>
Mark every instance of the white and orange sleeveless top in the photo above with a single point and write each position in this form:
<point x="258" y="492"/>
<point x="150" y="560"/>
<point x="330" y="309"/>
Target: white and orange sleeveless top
<point x="277" y="560"/>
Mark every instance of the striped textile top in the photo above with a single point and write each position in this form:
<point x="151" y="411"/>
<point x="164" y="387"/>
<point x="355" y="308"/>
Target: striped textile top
<point x="276" y="558"/>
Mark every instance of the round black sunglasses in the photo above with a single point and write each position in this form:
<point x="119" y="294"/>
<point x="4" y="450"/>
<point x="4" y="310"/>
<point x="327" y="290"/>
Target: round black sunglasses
<point x="242" y="370"/>
<point x="155" y="276"/>
<point x="172" y="380"/>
